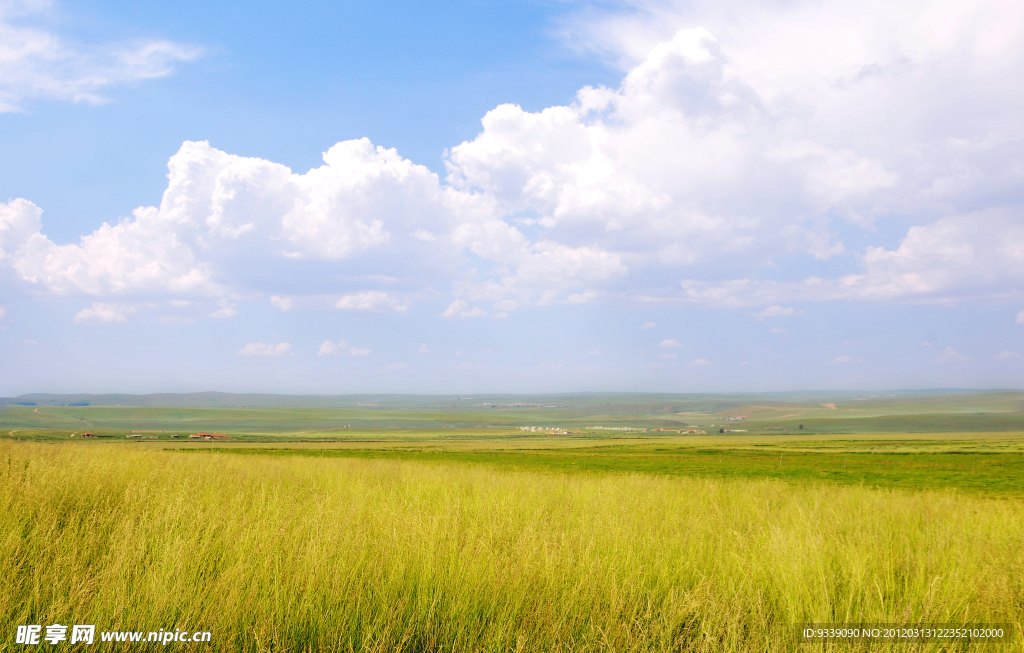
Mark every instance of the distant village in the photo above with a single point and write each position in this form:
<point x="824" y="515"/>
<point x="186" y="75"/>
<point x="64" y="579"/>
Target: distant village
<point x="550" y="430"/>
<point x="149" y="435"/>
<point x="517" y="405"/>
<point x="554" y="430"/>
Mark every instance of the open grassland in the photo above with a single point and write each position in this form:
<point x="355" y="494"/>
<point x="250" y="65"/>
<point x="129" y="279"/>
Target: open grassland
<point x="301" y="552"/>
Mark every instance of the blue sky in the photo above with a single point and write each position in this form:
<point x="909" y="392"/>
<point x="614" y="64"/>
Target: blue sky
<point x="510" y="197"/>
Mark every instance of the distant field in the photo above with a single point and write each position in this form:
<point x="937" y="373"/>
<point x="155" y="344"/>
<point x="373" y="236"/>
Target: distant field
<point x="973" y="412"/>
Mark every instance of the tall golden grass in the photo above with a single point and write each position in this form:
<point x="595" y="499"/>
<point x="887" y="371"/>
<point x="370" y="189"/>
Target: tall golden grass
<point x="300" y="553"/>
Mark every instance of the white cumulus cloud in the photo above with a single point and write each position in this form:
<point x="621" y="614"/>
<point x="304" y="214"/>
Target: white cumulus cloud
<point x="780" y="101"/>
<point x="226" y="310"/>
<point x="133" y="255"/>
<point x="341" y="348"/>
<point x="265" y="349"/>
<point x="460" y="308"/>
<point x="831" y="120"/>
<point x="954" y="258"/>
<point x="776" y="311"/>
<point x="582" y="297"/>
<point x="373" y="300"/>
<point x="101" y="312"/>
<point x="282" y="303"/>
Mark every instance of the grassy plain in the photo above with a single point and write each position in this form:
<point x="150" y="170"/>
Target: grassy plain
<point x="315" y="553"/>
<point x="483" y="538"/>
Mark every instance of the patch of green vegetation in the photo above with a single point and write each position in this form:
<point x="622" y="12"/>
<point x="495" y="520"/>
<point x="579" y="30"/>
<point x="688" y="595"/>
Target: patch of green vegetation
<point x="986" y="472"/>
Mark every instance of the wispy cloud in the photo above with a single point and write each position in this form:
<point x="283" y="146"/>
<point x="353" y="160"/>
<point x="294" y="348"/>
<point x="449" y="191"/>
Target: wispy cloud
<point x="41" y="64"/>
<point x="265" y="349"/>
<point x="281" y="303"/>
<point x="340" y="348"/>
<point x="373" y="300"/>
<point x="776" y="311"/>
<point x="950" y="355"/>
<point x="460" y="308"/>
<point x="842" y="360"/>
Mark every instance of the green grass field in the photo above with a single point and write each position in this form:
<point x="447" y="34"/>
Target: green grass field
<point x="485" y="539"/>
<point x="976" y="464"/>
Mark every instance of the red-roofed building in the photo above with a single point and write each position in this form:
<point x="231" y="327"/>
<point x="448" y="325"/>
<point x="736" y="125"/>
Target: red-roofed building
<point x="208" y="436"/>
